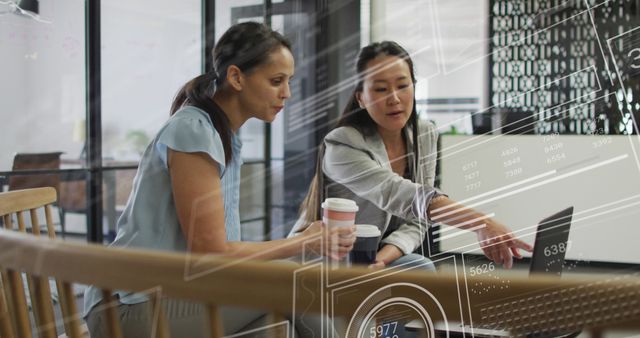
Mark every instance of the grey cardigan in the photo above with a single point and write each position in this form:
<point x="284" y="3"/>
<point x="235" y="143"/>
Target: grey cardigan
<point x="357" y="167"/>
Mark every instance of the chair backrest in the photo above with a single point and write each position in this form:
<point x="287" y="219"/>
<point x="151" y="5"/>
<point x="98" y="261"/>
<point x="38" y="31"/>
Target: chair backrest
<point x="539" y="302"/>
<point x="35" y="161"/>
<point x="15" y="319"/>
<point x="119" y="269"/>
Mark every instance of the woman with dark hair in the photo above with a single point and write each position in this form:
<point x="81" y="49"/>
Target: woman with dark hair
<point x="186" y="192"/>
<point x="383" y="157"/>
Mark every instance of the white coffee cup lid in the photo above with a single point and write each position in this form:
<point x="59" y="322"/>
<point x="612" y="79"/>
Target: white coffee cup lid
<point x="367" y="230"/>
<point x="340" y="204"/>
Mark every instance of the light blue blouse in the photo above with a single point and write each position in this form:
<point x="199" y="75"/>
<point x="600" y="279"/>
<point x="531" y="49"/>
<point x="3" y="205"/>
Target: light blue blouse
<point x="149" y="219"/>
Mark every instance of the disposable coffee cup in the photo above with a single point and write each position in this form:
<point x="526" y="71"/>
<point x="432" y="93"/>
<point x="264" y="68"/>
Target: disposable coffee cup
<point x="339" y="212"/>
<point x="366" y="246"/>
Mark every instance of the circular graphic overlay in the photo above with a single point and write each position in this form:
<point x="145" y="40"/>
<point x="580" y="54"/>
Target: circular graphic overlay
<point x="395" y="311"/>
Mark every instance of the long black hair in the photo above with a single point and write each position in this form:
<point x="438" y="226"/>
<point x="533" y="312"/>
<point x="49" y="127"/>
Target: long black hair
<point x="355" y="116"/>
<point x="359" y="118"/>
<point x="246" y="45"/>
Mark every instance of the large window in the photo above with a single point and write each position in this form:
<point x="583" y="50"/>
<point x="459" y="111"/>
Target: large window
<point x="148" y="50"/>
<point x="43" y="79"/>
<point x="43" y="98"/>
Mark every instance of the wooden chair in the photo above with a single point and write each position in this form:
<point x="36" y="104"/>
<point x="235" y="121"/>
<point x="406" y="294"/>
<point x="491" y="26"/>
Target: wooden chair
<point x="37" y="161"/>
<point x="71" y="186"/>
<point x="594" y="302"/>
<point x="13" y="303"/>
<point x="21" y="252"/>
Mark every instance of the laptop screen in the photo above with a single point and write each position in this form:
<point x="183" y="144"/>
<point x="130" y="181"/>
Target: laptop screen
<point x="551" y="243"/>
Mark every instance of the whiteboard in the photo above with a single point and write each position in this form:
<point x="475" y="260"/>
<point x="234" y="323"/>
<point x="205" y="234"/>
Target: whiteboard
<point x="521" y="179"/>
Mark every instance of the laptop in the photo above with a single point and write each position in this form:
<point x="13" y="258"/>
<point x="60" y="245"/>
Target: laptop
<point x="551" y="244"/>
<point x="549" y="249"/>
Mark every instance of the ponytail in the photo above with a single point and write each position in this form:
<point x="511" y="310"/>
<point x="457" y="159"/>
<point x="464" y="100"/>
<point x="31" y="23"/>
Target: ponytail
<point x="199" y="93"/>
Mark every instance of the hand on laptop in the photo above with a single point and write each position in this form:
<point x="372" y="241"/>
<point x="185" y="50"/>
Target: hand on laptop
<point x="496" y="240"/>
<point x="499" y="244"/>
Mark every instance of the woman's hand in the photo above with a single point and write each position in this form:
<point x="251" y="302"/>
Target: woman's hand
<point x="338" y="241"/>
<point x="496" y="240"/>
<point x="377" y="265"/>
<point x="499" y="244"/>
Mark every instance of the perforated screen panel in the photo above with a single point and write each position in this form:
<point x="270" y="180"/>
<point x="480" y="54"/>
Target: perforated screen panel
<point x="570" y="65"/>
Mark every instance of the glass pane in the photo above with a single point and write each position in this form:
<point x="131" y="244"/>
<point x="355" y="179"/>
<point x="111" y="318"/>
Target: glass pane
<point x="252" y="231"/>
<point x="150" y="49"/>
<point x="116" y="188"/>
<point x="252" y="134"/>
<point x="252" y="191"/>
<point x="43" y="79"/>
<point x="280" y="205"/>
<point x="306" y="113"/>
<point x="72" y="201"/>
<point x="289" y="134"/>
